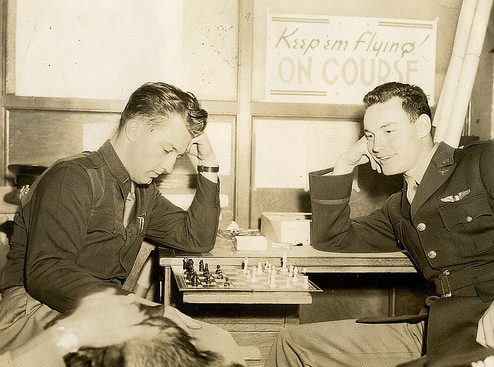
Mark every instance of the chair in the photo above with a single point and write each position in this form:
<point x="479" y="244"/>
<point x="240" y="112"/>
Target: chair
<point x="140" y="276"/>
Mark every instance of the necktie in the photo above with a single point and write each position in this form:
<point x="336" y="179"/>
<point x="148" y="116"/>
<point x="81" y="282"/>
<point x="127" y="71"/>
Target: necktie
<point x="412" y="187"/>
<point x="129" y="205"/>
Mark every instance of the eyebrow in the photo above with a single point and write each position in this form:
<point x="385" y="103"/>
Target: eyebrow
<point x="383" y="126"/>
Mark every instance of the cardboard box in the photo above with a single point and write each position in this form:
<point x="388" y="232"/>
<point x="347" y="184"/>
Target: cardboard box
<point x="286" y="227"/>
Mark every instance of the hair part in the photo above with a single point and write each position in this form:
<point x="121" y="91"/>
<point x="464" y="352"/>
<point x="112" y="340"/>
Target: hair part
<point x="414" y="100"/>
<point x="153" y="102"/>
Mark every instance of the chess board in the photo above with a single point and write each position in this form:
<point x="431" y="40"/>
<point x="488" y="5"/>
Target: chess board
<point x="237" y="279"/>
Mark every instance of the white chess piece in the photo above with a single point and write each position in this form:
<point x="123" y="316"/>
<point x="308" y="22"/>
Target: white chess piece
<point x="272" y="281"/>
<point x="253" y="279"/>
<point x="295" y="275"/>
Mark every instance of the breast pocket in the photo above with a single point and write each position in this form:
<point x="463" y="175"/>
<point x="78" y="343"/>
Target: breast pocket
<point x="470" y="223"/>
<point x="102" y="246"/>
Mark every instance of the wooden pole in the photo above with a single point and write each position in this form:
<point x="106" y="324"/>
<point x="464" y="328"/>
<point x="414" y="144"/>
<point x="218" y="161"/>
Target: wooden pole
<point x="468" y="72"/>
<point x="448" y="91"/>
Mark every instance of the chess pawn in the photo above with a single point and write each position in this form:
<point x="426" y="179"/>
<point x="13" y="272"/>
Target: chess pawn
<point x="283" y="260"/>
<point x="227" y="282"/>
<point x="259" y="269"/>
<point x="245" y="263"/>
<point x="194" y="280"/>
<point x="253" y="278"/>
<point x="290" y="271"/>
<point x="295" y="275"/>
<point x="267" y="267"/>
<point x="272" y="281"/>
<point x="218" y="269"/>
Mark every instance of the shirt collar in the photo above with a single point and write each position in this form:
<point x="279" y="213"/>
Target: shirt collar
<point x="419" y="170"/>
<point x="116" y="167"/>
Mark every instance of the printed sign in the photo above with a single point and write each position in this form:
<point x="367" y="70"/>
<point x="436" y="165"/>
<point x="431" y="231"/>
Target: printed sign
<point x="337" y="60"/>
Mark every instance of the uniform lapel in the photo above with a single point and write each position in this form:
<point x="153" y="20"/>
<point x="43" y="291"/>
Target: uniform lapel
<point x="441" y="167"/>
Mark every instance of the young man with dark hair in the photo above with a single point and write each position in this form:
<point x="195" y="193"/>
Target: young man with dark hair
<point x="443" y="219"/>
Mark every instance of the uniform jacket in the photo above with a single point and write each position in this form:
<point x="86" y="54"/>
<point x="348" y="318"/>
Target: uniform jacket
<point x="447" y="232"/>
<point x="69" y="239"/>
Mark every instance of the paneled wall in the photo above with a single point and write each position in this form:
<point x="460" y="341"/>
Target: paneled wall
<point x="67" y="71"/>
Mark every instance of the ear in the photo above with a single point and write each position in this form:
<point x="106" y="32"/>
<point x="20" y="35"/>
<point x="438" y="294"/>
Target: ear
<point x="132" y="129"/>
<point x="424" y="125"/>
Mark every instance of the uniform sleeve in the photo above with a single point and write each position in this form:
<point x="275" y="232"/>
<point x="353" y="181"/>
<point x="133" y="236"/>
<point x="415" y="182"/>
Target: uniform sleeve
<point x="333" y="229"/>
<point x="487" y="168"/>
<point x="56" y="220"/>
<point x="192" y="230"/>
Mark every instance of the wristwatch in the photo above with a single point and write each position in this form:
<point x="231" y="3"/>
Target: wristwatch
<point x="201" y="168"/>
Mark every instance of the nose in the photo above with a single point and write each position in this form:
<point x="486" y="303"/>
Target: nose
<point x="377" y="143"/>
<point x="168" y="163"/>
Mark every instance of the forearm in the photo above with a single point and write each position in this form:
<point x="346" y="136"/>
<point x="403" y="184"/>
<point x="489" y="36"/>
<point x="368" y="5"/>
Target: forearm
<point x="193" y="230"/>
<point x="333" y="229"/>
<point x="61" y="284"/>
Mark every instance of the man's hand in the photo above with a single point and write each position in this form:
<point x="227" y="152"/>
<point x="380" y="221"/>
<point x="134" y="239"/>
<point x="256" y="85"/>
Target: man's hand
<point x="104" y="319"/>
<point x="201" y="148"/>
<point x="356" y="155"/>
<point x="485" y="331"/>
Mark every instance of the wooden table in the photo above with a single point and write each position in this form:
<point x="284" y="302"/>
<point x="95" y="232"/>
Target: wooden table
<point x="255" y="318"/>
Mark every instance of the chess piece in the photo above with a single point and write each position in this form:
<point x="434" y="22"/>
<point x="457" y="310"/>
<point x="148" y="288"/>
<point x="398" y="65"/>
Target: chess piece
<point x="295" y="275"/>
<point x="190" y="266"/>
<point x="253" y="278"/>
<point x="284" y="268"/>
<point x="259" y="269"/>
<point x="272" y="280"/>
<point x="194" y="280"/>
<point x="201" y="265"/>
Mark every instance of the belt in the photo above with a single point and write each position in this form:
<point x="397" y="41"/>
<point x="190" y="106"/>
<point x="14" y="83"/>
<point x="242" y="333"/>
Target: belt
<point x="462" y="282"/>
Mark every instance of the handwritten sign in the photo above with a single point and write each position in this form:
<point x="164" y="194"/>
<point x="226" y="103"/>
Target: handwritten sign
<point x="337" y="60"/>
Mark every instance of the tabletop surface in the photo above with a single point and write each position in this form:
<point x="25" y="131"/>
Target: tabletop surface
<point x="225" y="252"/>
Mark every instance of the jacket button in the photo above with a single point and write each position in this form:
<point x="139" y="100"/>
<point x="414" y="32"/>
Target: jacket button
<point x="421" y="227"/>
<point x="432" y="254"/>
<point x="469" y="219"/>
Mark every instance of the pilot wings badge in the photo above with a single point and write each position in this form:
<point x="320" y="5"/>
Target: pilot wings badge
<point x="457" y="197"/>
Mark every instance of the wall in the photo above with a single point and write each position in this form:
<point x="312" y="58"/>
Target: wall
<point x="65" y="82"/>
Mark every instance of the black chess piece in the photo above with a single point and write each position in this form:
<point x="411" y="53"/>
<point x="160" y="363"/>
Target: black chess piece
<point x="190" y="266"/>
<point x="218" y="269"/>
<point x="201" y="265"/>
<point x="194" y="280"/>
